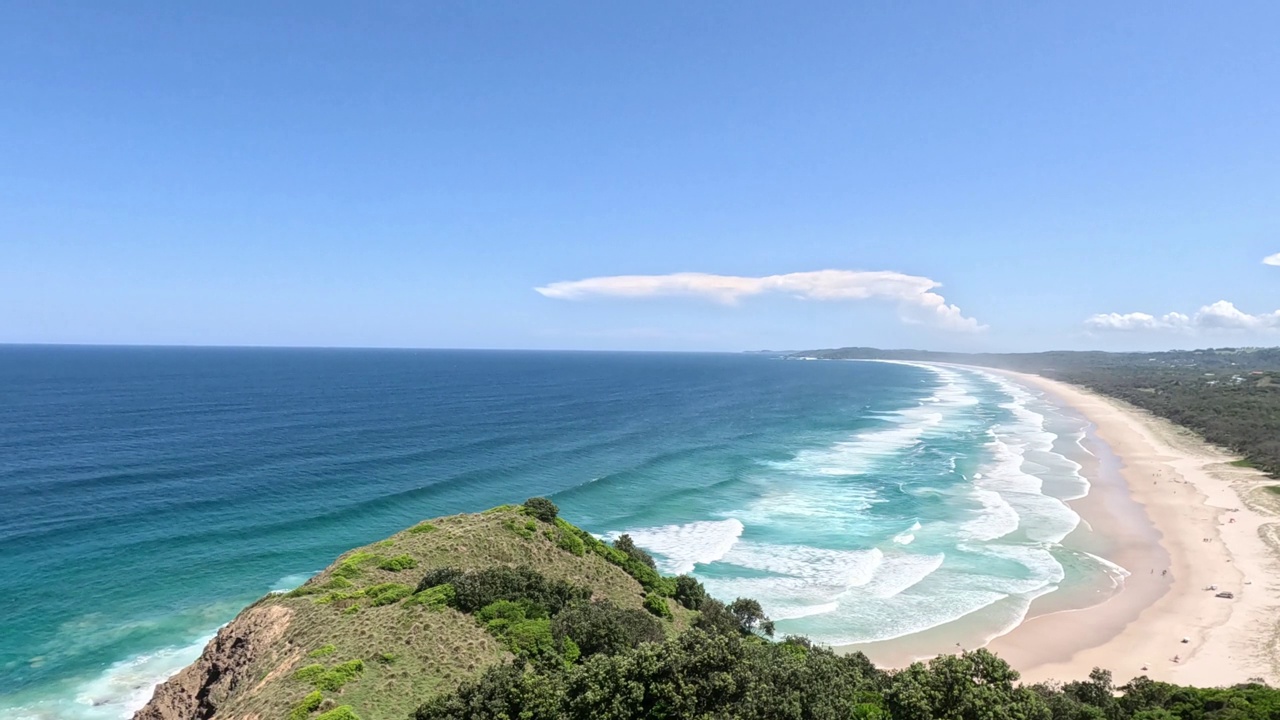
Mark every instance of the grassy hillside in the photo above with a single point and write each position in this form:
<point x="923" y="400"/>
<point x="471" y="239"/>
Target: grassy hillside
<point x="359" y="635"/>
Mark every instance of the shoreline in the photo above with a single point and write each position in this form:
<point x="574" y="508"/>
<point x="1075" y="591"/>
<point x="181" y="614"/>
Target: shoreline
<point x="1207" y="517"/>
<point x="1160" y="499"/>
<point x="1208" y="525"/>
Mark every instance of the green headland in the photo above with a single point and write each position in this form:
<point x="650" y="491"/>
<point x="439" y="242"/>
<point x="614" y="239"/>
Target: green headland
<point x="515" y="613"/>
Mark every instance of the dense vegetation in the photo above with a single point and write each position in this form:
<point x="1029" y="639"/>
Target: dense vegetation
<point x="1230" y="396"/>
<point x="710" y="674"/>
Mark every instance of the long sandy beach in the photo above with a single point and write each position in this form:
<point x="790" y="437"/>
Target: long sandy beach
<point x="1181" y="519"/>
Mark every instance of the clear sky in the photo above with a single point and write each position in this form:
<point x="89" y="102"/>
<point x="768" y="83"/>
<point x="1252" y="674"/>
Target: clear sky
<point x="973" y="176"/>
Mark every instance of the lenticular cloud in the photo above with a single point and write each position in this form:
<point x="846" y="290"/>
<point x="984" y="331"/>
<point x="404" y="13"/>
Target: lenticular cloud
<point x="913" y="293"/>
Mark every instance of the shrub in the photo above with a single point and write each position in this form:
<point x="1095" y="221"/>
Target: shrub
<point x="524" y="530"/>
<point x="689" y="592"/>
<point x="657" y="605"/>
<point x="322" y="651"/>
<point x="542" y="508"/>
<point x="525" y="630"/>
<point x="423" y="527"/>
<point x="333" y="680"/>
<point x="308" y="705"/>
<point x="350" y="567"/>
<point x="751" y="616"/>
<point x="715" y="619"/>
<point x="608" y="552"/>
<point x="351" y="610"/>
<point x="342" y="712"/>
<point x="435" y="597"/>
<point x="478" y="588"/>
<point x="511" y="611"/>
<point x="694" y="676"/>
<point x="529" y="638"/>
<point x="310" y="673"/>
<point x="570" y="542"/>
<point x="337" y="595"/>
<point x="388" y="658"/>
<point x="628" y="546"/>
<point x="398" y="563"/>
<point x="602" y="627"/>
<point x="387" y="593"/>
<point x="636" y="566"/>
<point x="439" y="576"/>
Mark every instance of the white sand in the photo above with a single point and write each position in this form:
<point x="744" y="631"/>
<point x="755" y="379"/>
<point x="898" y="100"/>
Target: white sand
<point x="1189" y="493"/>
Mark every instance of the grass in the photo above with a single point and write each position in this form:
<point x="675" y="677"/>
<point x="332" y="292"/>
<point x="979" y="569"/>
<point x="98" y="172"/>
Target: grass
<point x="342" y="712"/>
<point x="522" y="528"/>
<point x="308" y="705"/>
<point x="387" y="593"/>
<point x="1273" y="488"/>
<point x="1242" y="463"/>
<point x="413" y="645"/>
<point x="323" y="651"/>
<point x="398" y="563"/>
<point x="350" y="567"/>
<point x="436" y="597"/>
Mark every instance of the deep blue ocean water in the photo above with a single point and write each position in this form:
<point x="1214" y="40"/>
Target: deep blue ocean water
<point x="147" y="494"/>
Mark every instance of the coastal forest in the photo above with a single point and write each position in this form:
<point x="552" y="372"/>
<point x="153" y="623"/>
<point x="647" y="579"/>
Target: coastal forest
<point x="517" y="614"/>
<point x="1229" y="396"/>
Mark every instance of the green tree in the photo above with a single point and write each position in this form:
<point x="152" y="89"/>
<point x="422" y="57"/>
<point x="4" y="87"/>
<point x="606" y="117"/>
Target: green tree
<point x="542" y="508"/>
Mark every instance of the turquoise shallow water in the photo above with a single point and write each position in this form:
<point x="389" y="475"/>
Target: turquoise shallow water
<point x="150" y="493"/>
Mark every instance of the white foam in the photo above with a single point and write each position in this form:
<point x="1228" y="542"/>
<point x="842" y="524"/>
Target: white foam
<point x="783" y="613"/>
<point x="996" y="519"/>
<point x="867" y="449"/>
<point x="120" y="691"/>
<point x="290" y="582"/>
<point x="830" y="568"/>
<point x="993" y="561"/>
<point x="812" y="501"/>
<point x="901" y="572"/>
<point x="869" y="619"/>
<point x="907" y="536"/>
<point x="1118" y="573"/>
<point x="684" y="546"/>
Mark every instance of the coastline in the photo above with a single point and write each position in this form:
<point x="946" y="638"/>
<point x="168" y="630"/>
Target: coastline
<point x="1208" y="517"/>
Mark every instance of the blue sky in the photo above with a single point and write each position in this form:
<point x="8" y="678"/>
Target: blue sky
<point x="978" y="176"/>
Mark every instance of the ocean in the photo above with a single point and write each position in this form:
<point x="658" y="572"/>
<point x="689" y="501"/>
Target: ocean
<point x="148" y="494"/>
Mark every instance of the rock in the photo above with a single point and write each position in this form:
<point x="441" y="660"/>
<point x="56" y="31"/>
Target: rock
<point x="194" y="693"/>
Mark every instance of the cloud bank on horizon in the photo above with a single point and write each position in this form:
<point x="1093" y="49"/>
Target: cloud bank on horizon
<point x="1221" y="315"/>
<point x="914" y="294"/>
<point x="1272" y="260"/>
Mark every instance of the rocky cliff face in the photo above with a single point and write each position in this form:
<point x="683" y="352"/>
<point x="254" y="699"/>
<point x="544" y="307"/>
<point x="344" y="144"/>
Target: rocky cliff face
<point x="225" y="667"/>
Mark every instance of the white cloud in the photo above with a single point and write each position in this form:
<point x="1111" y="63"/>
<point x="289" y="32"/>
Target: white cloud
<point x="1271" y="259"/>
<point x="1221" y="315"/>
<point x="914" y="294"/>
